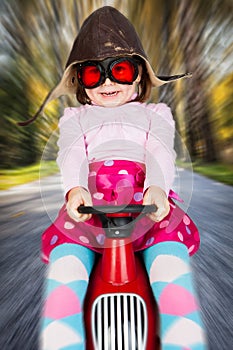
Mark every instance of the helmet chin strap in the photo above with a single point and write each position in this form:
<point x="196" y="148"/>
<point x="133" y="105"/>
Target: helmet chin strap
<point x="29" y="121"/>
<point x="174" y="77"/>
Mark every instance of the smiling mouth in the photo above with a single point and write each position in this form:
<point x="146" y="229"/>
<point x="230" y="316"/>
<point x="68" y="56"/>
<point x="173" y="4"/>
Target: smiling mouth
<point x="109" y="94"/>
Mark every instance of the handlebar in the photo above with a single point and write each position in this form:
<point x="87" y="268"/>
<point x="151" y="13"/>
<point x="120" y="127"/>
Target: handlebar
<point x="111" y="209"/>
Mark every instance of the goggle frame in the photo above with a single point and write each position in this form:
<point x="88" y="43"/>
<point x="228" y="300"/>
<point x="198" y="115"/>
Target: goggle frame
<point x="105" y="68"/>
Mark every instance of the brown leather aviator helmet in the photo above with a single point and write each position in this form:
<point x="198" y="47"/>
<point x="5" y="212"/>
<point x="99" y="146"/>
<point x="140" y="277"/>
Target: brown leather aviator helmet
<point x="105" y="33"/>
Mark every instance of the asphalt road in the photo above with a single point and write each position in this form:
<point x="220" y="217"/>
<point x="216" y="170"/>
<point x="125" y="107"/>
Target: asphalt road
<point x="27" y="210"/>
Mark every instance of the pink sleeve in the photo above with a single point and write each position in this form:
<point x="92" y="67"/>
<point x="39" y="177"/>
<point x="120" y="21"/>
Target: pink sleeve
<point x="72" y="159"/>
<point x="160" y="154"/>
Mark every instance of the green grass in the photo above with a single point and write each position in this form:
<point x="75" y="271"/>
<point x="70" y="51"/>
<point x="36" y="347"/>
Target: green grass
<point x="19" y="176"/>
<point x="217" y="171"/>
<point x="14" y="177"/>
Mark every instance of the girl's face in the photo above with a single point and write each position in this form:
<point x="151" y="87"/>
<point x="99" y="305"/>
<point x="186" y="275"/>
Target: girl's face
<point x="112" y="94"/>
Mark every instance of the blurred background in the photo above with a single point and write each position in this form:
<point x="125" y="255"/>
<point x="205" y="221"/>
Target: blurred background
<point x="179" y="36"/>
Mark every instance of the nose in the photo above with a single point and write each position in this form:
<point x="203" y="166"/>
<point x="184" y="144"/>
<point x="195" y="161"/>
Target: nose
<point x="108" y="82"/>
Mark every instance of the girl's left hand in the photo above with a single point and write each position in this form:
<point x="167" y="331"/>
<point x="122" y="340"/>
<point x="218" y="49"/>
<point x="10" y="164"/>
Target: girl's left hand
<point x="155" y="195"/>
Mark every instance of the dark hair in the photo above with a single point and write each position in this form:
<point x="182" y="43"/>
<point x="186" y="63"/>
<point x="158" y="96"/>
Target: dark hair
<point x="144" y="86"/>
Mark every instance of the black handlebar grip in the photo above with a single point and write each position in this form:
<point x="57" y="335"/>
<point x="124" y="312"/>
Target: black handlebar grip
<point x="110" y="209"/>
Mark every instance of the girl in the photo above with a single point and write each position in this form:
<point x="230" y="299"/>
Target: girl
<point x="116" y="149"/>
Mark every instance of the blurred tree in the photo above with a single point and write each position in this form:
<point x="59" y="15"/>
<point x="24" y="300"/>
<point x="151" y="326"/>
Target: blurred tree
<point x="198" y="127"/>
<point x="16" y="148"/>
<point x="221" y="105"/>
<point x="219" y="51"/>
<point x="169" y="49"/>
<point x="207" y="48"/>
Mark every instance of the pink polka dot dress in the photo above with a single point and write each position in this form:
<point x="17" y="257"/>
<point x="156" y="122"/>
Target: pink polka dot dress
<point x="120" y="182"/>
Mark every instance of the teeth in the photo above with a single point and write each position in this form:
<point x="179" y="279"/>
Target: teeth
<point x="109" y="93"/>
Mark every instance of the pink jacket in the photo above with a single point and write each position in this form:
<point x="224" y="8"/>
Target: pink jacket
<point x="138" y="132"/>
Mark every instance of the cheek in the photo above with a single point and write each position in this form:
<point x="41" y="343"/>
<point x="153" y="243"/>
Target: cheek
<point x="93" y="96"/>
<point x="132" y="89"/>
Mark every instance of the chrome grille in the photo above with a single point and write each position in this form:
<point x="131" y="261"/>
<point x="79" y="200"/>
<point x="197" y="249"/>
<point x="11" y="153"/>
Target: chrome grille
<point x="119" y="322"/>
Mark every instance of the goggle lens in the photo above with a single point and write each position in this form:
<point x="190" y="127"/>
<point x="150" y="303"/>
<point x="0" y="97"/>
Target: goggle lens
<point x="90" y="75"/>
<point x="123" y="72"/>
<point x="93" y="74"/>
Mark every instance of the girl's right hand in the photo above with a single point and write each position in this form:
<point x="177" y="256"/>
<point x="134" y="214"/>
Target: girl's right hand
<point x="78" y="196"/>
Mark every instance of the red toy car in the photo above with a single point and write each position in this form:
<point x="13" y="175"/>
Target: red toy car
<point x="120" y="310"/>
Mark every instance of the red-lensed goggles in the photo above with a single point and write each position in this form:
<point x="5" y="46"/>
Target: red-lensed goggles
<point x="122" y="70"/>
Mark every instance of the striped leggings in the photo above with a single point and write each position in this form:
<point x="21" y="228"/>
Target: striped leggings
<point x="170" y="276"/>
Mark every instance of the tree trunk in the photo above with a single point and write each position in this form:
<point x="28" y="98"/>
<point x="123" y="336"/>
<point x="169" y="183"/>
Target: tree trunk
<point x="199" y="129"/>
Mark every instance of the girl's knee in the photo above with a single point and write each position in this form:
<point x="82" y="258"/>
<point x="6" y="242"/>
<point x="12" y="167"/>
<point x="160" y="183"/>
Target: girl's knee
<point x="168" y="250"/>
<point x="70" y="257"/>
